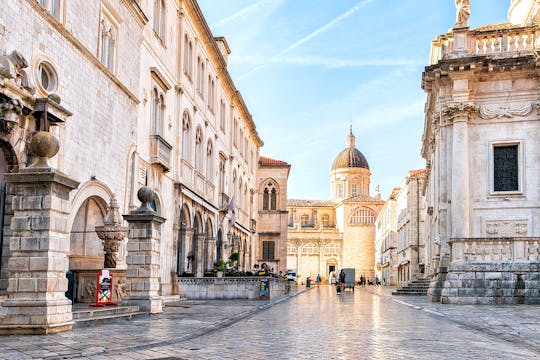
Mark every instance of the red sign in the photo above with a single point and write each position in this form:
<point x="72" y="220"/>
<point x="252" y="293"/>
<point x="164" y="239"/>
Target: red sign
<point x="104" y="288"/>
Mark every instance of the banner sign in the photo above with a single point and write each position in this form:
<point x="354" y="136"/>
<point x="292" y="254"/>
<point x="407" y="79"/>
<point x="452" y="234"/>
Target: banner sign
<point x="104" y="288"/>
<point x="264" y="289"/>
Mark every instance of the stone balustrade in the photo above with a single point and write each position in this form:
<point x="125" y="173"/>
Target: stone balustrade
<point x="484" y="42"/>
<point x="495" y="250"/>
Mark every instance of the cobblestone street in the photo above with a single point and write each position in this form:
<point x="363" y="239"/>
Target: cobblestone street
<point x="318" y="324"/>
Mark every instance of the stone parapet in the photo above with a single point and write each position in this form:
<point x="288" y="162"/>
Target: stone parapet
<point x="231" y="288"/>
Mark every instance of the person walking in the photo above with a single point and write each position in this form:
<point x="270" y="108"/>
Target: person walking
<point x="318" y="279"/>
<point x="342" y="279"/>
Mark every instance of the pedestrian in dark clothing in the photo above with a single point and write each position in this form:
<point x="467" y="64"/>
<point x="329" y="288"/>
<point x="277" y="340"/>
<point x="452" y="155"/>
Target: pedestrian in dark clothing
<point x="342" y="279"/>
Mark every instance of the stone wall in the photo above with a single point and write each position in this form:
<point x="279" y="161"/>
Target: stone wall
<point x="231" y="288"/>
<point x="492" y="283"/>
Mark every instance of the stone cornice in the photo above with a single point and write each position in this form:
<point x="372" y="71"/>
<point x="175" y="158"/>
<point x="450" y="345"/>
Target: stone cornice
<point x="136" y="11"/>
<point x="209" y="41"/>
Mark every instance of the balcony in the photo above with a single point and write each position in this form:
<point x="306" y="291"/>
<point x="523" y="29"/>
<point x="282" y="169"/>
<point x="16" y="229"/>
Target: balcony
<point x="160" y="152"/>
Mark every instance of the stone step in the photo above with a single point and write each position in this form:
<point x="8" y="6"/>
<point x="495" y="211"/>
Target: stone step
<point x="102" y="315"/>
<point x="410" y="293"/>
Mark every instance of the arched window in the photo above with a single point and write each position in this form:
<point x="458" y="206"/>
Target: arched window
<point x="332" y="249"/>
<point x="234" y="185"/>
<point x="158" y="110"/>
<point x="159" y="18"/>
<point x="209" y="161"/>
<point x="221" y="175"/>
<point x="362" y="216"/>
<point x="190" y="60"/>
<point x="107" y="40"/>
<point x="266" y="199"/>
<point x="198" y="149"/>
<point x="240" y="199"/>
<point x="309" y="249"/>
<point x="186" y="55"/>
<point x="222" y="115"/>
<point x="291" y="249"/>
<point x="186" y="136"/>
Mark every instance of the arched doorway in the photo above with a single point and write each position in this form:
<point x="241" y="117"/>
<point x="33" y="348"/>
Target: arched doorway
<point x="194" y="257"/>
<point x="183" y="248"/>
<point x="86" y="250"/>
<point x="209" y="246"/>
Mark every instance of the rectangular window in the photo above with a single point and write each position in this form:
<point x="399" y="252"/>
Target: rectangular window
<point x="268" y="250"/>
<point x="341" y="190"/>
<point x="354" y="189"/>
<point x="505" y="168"/>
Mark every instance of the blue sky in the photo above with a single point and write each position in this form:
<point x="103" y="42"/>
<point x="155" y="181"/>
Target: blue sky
<point x="308" y="68"/>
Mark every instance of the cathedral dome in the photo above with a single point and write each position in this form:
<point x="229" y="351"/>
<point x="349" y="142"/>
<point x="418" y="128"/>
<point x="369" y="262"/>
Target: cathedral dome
<point x="350" y="157"/>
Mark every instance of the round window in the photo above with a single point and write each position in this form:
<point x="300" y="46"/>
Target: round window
<point x="46" y="77"/>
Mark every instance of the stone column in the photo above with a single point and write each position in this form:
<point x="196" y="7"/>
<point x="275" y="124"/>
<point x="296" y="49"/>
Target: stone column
<point x="39" y="244"/>
<point x="143" y="259"/>
<point x="459" y="115"/>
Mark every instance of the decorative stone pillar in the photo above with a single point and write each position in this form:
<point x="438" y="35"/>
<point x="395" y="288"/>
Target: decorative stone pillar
<point x="459" y="116"/>
<point x="39" y="246"/>
<point x="143" y="258"/>
<point x="112" y="233"/>
<point x="198" y="252"/>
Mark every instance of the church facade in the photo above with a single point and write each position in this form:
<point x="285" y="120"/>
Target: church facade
<point x="480" y="142"/>
<point x="325" y="236"/>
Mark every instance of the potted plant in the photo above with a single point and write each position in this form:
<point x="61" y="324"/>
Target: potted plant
<point x="220" y="266"/>
<point x="234" y="256"/>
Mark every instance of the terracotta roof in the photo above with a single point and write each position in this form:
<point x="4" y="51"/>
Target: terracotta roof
<point x="266" y="161"/>
<point x="310" y="203"/>
<point x="360" y="198"/>
<point x="419" y="172"/>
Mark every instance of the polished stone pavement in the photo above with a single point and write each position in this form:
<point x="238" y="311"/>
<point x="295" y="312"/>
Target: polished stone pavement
<point x="317" y="324"/>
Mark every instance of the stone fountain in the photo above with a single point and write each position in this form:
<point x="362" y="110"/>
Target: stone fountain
<point x="112" y="233"/>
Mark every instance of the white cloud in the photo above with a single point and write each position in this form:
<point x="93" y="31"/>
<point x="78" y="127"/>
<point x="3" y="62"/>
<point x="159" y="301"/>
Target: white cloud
<point x="242" y="13"/>
<point x="329" y="25"/>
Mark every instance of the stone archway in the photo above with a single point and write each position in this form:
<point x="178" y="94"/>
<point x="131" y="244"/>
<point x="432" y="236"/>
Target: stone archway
<point x="195" y="256"/>
<point x="86" y="255"/>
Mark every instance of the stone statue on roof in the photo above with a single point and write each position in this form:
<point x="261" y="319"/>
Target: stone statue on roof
<point x="463" y="12"/>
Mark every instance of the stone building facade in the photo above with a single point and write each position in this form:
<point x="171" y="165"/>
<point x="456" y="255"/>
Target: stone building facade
<point x="410" y="226"/>
<point x="138" y="94"/>
<point x="272" y="225"/>
<point x="325" y="236"/>
<point x="386" y="241"/>
<point x="480" y="143"/>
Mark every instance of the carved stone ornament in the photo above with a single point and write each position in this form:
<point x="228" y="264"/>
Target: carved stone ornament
<point x="488" y="112"/>
<point x="12" y="67"/>
<point x="459" y="111"/>
<point x="111" y="234"/>
<point x="506" y="228"/>
<point x="10" y="110"/>
<point x="44" y="145"/>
